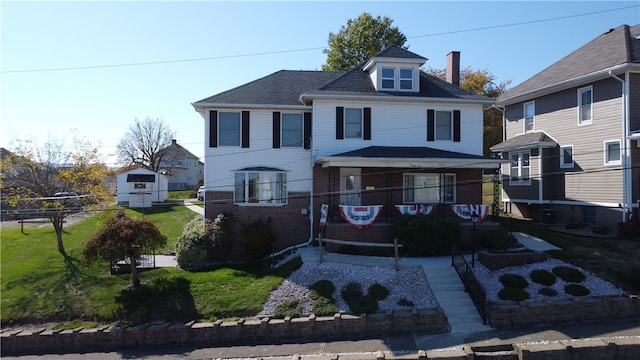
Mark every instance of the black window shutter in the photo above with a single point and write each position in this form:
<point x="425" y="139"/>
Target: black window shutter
<point x="339" y="123"/>
<point x="276" y="130"/>
<point x="306" y="133"/>
<point x="431" y="114"/>
<point x="245" y="129"/>
<point x="367" y="124"/>
<point x="213" y="128"/>
<point x="456" y="125"/>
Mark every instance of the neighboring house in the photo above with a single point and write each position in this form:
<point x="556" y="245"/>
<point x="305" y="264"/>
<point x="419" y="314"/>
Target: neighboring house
<point x="572" y="135"/>
<point x="382" y="134"/>
<point x="139" y="188"/>
<point x="183" y="169"/>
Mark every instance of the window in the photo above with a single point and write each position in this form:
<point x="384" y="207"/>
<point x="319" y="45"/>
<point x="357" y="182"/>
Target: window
<point x="262" y="187"/>
<point x="566" y="156"/>
<point x="229" y="129"/>
<point x="353" y="123"/>
<point x="429" y="188"/>
<point x="585" y="106"/>
<point x="443" y="125"/>
<point x="520" y="171"/>
<point x="388" y="78"/>
<point x="612" y="154"/>
<point x="406" y="79"/>
<point x="529" y="116"/>
<point x="291" y="130"/>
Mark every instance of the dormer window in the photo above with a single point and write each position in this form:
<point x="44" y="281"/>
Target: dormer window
<point x="397" y="79"/>
<point x="388" y="78"/>
<point x="406" y="79"/>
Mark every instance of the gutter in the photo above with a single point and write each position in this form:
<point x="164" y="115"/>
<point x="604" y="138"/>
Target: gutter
<point x="626" y="168"/>
<point x="305" y="98"/>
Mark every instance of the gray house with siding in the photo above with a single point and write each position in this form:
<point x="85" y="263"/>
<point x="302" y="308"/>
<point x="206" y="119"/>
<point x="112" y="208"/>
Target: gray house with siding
<point x="572" y="135"/>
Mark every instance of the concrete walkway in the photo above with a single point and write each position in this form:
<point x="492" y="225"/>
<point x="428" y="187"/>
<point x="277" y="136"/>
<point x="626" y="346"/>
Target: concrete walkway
<point x="195" y="208"/>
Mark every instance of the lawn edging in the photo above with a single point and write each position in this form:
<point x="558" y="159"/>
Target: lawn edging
<point x="265" y="330"/>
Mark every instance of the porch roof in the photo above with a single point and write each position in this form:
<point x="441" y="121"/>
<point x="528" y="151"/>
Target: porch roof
<point x="524" y="142"/>
<point x="408" y="157"/>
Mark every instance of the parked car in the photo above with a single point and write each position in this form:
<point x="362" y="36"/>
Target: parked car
<point x="201" y="193"/>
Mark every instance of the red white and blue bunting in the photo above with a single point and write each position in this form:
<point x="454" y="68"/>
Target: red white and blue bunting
<point x="415" y="209"/>
<point x="360" y="217"/>
<point x="465" y="210"/>
<point x="324" y="209"/>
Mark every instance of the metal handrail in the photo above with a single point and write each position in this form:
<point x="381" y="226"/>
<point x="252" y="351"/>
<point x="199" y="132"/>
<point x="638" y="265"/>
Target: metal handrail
<point x="471" y="284"/>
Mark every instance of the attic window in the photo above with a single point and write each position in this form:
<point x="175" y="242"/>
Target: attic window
<point x="388" y="78"/>
<point x="398" y="79"/>
<point x="406" y="79"/>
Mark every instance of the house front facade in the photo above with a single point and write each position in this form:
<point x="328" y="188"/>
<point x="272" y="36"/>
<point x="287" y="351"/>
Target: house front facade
<point x="338" y="153"/>
<point x="183" y="169"/>
<point x="572" y="136"/>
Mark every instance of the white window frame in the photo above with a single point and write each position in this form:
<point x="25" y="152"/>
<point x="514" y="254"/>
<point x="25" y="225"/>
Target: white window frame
<point x="443" y="186"/>
<point x="346" y="121"/>
<point x="518" y="180"/>
<point x="404" y="79"/>
<point x="271" y="187"/>
<point x="526" y="119"/>
<point x="220" y="132"/>
<point x="580" y="106"/>
<point x="450" y="136"/>
<point x="563" y="163"/>
<point x="300" y="117"/>
<point x="607" y="151"/>
<point x="386" y="78"/>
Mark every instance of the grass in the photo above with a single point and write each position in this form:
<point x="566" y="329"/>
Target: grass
<point x="181" y="194"/>
<point x="38" y="284"/>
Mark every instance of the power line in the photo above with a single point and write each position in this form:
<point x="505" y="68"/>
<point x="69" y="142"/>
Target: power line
<point x="159" y="62"/>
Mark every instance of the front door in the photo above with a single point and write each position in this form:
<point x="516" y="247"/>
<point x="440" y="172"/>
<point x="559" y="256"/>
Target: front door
<point x="350" y="186"/>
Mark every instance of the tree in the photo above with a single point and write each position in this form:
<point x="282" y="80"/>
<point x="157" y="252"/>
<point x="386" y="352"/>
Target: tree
<point x="33" y="174"/>
<point x="123" y="236"/>
<point x="143" y="143"/>
<point x="359" y="40"/>
<point x="482" y="82"/>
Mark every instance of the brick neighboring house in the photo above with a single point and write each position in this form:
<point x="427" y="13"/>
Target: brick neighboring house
<point x="383" y="133"/>
<point x="572" y="134"/>
<point x="183" y="169"/>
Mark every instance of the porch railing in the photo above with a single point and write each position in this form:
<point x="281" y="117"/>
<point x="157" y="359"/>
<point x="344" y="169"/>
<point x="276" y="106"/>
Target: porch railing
<point x="470" y="282"/>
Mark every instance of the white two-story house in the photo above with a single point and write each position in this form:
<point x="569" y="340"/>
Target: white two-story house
<point x="382" y="134"/>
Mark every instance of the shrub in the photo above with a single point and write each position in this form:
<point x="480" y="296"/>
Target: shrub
<point x="357" y="301"/>
<point x="351" y="291"/>
<point x="258" y="239"/>
<point x="220" y="237"/>
<point x="499" y="239"/>
<point x="514" y="281"/>
<point x="513" y="293"/>
<point x="576" y="290"/>
<point x="547" y="291"/>
<point x="191" y="248"/>
<point x="629" y="229"/>
<point x="378" y="292"/>
<point x="321" y="294"/>
<point x="543" y="277"/>
<point x="426" y="236"/>
<point x="569" y="274"/>
<point x="289" y="308"/>
<point x="324" y="288"/>
<point x="405" y="302"/>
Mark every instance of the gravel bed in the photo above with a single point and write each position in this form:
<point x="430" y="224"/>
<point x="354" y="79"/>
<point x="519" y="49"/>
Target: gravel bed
<point x="409" y="283"/>
<point x="490" y="280"/>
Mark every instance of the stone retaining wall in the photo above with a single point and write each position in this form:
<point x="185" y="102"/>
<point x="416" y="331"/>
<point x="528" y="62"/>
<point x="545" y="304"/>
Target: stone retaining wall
<point x="312" y="328"/>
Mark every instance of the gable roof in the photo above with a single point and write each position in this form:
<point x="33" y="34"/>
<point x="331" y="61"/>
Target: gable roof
<point x="612" y="50"/>
<point x="178" y="151"/>
<point x="398" y="53"/>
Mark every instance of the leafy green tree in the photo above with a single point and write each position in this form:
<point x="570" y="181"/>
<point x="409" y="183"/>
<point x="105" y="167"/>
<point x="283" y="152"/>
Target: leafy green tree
<point x="124" y="236"/>
<point x="359" y="40"/>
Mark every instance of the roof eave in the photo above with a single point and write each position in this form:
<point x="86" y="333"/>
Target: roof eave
<point x="543" y="144"/>
<point x="203" y="106"/>
<point x="305" y="98"/>
<point x="425" y="163"/>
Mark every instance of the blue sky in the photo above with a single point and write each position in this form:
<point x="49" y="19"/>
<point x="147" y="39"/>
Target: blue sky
<point x="127" y="60"/>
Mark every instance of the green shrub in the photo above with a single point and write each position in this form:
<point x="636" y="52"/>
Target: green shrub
<point x="499" y="239"/>
<point x="513" y="293"/>
<point x="405" y="302"/>
<point x="351" y="291"/>
<point x="514" y="281"/>
<point x="289" y="308"/>
<point x="258" y="239"/>
<point x="324" y="288"/>
<point x="321" y="294"/>
<point x="191" y="248"/>
<point x="576" y="290"/>
<point x="358" y="302"/>
<point x="547" y="291"/>
<point x="543" y="277"/>
<point x="426" y="236"/>
<point x="220" y="237"/>
<point x="569" y="274"/>
<point x="378" y="292"/>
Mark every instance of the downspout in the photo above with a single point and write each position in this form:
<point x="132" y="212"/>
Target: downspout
<point x="540" y="184"/>
<point x="626" y="168"/>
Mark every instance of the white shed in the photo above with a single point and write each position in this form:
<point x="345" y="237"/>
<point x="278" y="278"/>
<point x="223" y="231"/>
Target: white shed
<point x="141" y="188"/>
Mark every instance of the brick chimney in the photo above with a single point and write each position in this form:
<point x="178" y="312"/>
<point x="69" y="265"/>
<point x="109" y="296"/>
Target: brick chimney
<point x="453" y="68"/>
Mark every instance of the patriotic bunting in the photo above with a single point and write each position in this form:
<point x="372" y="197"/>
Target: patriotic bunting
<point x="415" y="209"/>
<point x="465" y="210"/>
<point x="360" y="217"/>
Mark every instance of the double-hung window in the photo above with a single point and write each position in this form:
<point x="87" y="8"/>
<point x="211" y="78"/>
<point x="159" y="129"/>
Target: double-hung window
<point x="229" y="129"/>
<point x="353" y="123"/>
<point x="566" y="156"/>
<point x="585" y="105"/>
<point x="529" y="116"/>
<point x="406" y="79"/>
<point x="261" y="187"/>
<point x="292" y="129"/>
<point x="612" y="155"/>
<point x="444" y="125"/>
<point x="520" y="169"/>
<point x="388" y="78"/>
<point x="429" y="188"/>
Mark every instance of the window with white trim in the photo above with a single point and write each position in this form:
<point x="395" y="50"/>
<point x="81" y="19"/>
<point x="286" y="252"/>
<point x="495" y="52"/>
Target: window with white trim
<point x="566" y="156"/>
<point x="429" y="188"/>
<point x="352" y="123"/>
<point x="520" y="168"/>
<point x="260" y="187"/>
<point x="612" y="154"/>
<point x="406" y="79"/>
<point x="229" y="129"/>
<point x="529" y="116"/>
<point x="388" y="78"/>
<point x="291" y="130"/>
<point x="585" y="105"/>
<point x="444" y="125"/>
